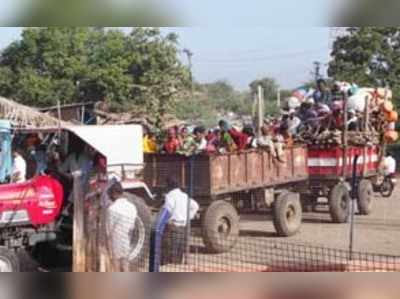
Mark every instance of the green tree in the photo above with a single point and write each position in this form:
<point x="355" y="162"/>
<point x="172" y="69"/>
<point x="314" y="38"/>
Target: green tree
<point x="92" y="12"/>
<point x="269" y="85"/>
<point x="225" y="98"/>
<point x="139" y="71"/>
<point x="368" y="56"/>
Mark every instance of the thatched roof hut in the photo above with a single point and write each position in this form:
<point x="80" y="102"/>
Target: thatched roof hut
<point x="26" y="117"/>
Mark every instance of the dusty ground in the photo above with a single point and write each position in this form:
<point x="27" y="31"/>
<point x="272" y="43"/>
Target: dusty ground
<point x="259" y="249"/>
<point x="378" y="233"/>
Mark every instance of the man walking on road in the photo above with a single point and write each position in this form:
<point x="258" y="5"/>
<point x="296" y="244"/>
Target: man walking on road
<point x="176" y="205"/>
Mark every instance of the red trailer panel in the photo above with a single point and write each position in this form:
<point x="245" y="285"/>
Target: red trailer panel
<point x="329" y="161"/>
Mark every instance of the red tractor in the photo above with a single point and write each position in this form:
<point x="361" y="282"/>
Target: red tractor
<point x="35" y="212"/>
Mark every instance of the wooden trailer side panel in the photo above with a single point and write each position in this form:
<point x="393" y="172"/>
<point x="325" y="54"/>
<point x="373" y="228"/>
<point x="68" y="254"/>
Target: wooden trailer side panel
<point x="223" y="174"/>
<point x="158" y="168"/>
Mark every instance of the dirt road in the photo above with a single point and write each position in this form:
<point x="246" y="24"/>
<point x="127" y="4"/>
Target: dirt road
<point x="377" y="233"/>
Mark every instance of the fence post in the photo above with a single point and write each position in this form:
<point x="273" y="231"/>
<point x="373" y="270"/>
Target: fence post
<point x="354" y="197"/>
<point x="79" y="262"/>
<point x="188" y="224"/>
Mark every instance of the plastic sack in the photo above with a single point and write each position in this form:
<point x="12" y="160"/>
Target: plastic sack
<point x="310" y="93"/>
<point x="384" y="93"/>
<point x="387" y="106"/>
<point x="357" y="101"/>
<point x="300" y="94"/>
<point x="293" y="103"/>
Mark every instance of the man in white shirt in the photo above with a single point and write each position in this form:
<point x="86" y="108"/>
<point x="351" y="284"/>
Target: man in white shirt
<point x="389" y="165"/>
<point x="293" y="123"/>
<point x="120" y="224"/>
<point x="77" y="160"/>
<point x="19" y="167"/>
<point x="176" y="204"/>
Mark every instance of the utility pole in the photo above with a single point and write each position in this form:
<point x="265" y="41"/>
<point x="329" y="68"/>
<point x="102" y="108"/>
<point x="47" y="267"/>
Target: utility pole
<point x="317" y="70"/>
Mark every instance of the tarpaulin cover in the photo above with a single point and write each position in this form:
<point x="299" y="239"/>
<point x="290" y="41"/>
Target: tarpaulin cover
<point x="119" y="144"/>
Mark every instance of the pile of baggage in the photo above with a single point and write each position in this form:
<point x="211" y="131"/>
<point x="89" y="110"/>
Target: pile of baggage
<point x="371" y="116"/>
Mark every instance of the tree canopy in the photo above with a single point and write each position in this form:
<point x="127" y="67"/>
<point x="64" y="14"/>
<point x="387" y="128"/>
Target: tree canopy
<point x="92" y="12"/>
<point x="140" y="69"/>
<point x="269" y="85"/>
<point x="368" y="56"/>
<point x="211" y="99"/>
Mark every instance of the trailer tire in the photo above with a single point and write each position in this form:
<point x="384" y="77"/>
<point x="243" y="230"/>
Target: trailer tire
<point x="9" y="261"/>
<point x="339" y="204"/>
<point x="288" y="214"/>
<point x="220" y="227"/>
<point x="141" y="235"/>
<point x="365" y="197"/>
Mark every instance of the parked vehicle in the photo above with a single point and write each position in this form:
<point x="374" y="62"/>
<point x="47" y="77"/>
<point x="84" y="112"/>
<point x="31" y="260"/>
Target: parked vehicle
<point x="386" y="185"/>
<point x="33" y="213"/>
<point x="230" y="184"/>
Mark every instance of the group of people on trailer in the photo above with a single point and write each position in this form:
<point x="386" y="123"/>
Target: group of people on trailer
<point x="223" y="139"/>
<point x="322" y="110"/>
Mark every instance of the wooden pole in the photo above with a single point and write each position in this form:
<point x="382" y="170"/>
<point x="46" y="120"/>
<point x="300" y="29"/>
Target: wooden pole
<point x="366" y="129"/>
<point x="260" y="110"/>
<point x="59" y="114"/>
<point x="79" y="262"/>
<point x="345" y="134"/>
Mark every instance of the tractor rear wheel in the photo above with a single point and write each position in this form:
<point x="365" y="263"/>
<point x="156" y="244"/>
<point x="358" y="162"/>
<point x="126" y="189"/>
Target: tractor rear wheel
<point x="220" y="227"/>
<point x="140" y="236"/>
<point x="9" y="261"/>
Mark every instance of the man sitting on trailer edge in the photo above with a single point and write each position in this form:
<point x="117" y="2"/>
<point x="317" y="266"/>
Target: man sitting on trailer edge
<point x="176" y="209"/>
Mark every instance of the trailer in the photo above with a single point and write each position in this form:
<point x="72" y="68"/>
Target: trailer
<point x="229" y="184"/>
<point x="330" y="172"/>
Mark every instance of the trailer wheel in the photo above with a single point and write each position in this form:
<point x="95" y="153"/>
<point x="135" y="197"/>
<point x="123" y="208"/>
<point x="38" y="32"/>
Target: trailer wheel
<point x="220" y="227"/>
<point x="287" y="214"/>
<point x="9" y="261"/>
<point x="140" y="237"/>
<point x="365" y="197"/>
<point x="339" y="204"/>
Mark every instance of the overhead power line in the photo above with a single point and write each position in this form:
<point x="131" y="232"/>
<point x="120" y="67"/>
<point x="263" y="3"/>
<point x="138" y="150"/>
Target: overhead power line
<point x="252" y="59"/>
